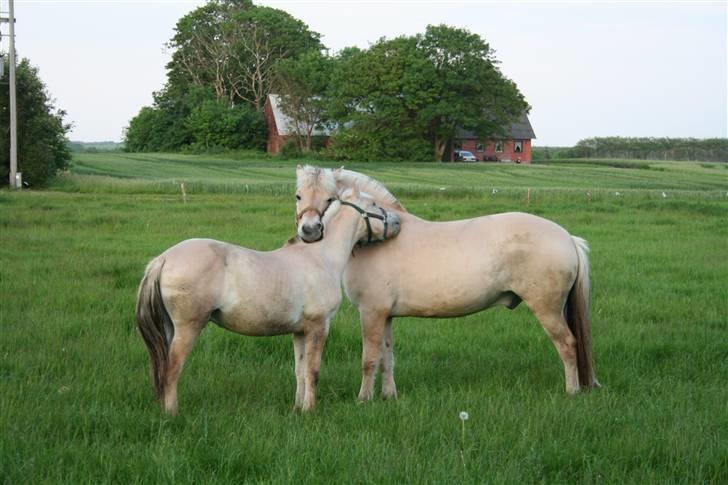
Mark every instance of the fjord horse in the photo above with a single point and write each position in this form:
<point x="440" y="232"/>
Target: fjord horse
<point x="295" y="289"/>
<point x="450" y="269"/>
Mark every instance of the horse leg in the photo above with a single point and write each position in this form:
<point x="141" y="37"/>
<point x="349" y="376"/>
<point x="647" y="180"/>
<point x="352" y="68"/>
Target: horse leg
<point x="389" y="388"/>
<point x="299" y="350"/>
<point x="185" y="335"/>
<point x="554" y="323"/>
<point x="314" y="341"/>
<point x="372" y="329"/>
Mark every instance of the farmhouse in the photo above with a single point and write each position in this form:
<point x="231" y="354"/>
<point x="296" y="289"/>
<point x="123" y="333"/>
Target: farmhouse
<point x="514" y="147"/>
<point x="281" y="126"/>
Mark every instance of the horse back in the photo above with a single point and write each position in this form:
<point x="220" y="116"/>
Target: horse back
<point x="460" y="267"/>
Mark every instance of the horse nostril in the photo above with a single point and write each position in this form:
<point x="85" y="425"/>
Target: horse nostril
<point x="319" y="226"/>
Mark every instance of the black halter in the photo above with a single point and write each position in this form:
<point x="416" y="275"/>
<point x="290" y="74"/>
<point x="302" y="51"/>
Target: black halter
<point x="366" y="215"/>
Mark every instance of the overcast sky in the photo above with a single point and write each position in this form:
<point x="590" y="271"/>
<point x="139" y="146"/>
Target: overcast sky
<point x="650" y="68"/>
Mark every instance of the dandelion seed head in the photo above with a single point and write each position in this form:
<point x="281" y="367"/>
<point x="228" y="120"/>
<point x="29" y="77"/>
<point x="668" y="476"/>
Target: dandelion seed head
<point x="464" y="415"/>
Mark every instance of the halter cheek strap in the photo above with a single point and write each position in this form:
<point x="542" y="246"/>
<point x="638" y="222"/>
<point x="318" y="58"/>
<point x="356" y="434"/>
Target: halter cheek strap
<point x="366" y="215"/>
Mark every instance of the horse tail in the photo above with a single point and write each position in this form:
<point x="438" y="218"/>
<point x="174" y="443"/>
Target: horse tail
<point x="155" y="325"/>
<point x="578" y="316"/>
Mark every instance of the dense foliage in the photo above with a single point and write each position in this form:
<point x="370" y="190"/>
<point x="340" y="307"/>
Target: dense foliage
<point x="225" y="58"/>
<point x="400" y="99"/>
<point x="406" y="98"/>
<point x="42" y="149"/>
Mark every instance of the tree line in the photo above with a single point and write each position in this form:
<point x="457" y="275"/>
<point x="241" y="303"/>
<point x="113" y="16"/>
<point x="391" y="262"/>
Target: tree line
<point x="400" y="99"/>
<point x="644" y="148"/>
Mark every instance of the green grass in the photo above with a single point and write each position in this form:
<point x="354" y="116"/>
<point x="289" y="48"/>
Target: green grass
<point x="75" y="400"/>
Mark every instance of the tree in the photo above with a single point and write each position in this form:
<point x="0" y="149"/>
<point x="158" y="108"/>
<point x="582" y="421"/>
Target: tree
<point x="422" y="89"/>
<point x="235" y="47"/>
<point x="303" y="84"/>
<point x="472" y="92"/>
<point x="376" y="96"/>
<point x="42" y="144"/>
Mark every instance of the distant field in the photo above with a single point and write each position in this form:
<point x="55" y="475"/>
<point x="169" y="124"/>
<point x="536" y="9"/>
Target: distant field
<point x="75" y="400"/>
<point x="155" y="173"/>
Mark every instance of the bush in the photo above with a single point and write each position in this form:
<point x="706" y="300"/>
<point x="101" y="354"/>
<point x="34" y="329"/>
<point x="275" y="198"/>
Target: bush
<point x="290" y="149"/>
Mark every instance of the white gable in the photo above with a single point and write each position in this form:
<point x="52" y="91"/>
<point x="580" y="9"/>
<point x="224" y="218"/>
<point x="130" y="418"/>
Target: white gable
<point x="285" y="124"/>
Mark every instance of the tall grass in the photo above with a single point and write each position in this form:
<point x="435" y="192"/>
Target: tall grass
<point x="75" y="399"/>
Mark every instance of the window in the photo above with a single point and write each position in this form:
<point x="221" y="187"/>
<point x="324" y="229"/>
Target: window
<point x="499" y="146"/>
<point x="518" y="146"/>
<point x="479" y="147"/>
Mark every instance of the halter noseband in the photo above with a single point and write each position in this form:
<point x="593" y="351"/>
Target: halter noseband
<point x="366" y="215"/>
<point x="318" y="212"/>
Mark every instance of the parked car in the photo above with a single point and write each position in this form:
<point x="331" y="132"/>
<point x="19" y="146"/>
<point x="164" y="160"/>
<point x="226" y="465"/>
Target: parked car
<point x="465" y="156"/>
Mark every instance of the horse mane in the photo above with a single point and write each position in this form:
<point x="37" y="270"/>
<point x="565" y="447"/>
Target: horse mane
<point x="349" y="178"/>
<point x="310" y="176"/>
<point x="335" y="181"/>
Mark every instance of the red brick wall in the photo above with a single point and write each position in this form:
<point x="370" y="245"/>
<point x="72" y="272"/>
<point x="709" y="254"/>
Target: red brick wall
<point x="508" y="152"/>
<point x="275" y="140"/>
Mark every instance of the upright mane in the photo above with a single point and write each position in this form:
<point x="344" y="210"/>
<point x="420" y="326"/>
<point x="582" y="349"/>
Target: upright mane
<point x="349" y="178"/>
<point x="322" y="178"/>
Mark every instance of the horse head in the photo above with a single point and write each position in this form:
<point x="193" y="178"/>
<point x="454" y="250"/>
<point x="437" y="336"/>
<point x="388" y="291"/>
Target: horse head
<point x="375" y="223"/>
<point x="318" y="188"/>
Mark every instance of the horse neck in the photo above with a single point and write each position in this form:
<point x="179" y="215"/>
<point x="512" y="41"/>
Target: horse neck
<point x="340" y="237"/>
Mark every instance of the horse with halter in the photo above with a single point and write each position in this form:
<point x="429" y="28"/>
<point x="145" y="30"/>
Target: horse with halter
<point x="293" y="290"/>
<point x="455" y="268"/>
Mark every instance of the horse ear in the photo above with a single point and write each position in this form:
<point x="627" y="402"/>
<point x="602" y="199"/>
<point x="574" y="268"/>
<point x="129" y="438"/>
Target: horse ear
<point x="299" y="168"/>
<point x="338" y="171"/>
<point x="355" y="191"/>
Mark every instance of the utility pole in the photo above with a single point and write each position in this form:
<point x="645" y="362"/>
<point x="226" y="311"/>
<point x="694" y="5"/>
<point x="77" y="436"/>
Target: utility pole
<point x="13" y="103"/>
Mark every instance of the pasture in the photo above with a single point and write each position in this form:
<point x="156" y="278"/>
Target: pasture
<point x="75" y="398"/>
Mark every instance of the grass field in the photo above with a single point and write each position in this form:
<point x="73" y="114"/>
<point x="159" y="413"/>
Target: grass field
<point x="75" y="400"/>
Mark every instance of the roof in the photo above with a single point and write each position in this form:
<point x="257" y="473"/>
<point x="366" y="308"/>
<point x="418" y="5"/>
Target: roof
<point x="285" y="124"/>
<point x="519" y="130"/>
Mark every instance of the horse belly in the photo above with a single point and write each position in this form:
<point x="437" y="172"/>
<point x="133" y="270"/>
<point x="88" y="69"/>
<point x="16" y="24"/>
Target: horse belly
<point x="447" y="297"/>
<point x="257" y="320"/>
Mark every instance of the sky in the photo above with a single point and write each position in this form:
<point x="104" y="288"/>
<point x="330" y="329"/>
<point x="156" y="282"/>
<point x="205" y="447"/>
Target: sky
<point x="608" y="68"/>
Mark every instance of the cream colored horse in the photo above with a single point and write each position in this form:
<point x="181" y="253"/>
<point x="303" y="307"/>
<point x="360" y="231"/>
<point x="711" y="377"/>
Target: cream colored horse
<point x="449" y="269"/>
<point x="295" y="289"/>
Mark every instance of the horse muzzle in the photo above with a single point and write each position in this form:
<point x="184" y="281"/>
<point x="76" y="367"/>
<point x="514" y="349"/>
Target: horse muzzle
<point x="394" y="225"/>
<point x="311" y="232"/>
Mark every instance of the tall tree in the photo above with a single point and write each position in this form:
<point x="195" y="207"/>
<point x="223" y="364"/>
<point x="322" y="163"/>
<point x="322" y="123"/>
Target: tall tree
<point x="42" y="144"/>
<point x="424" y="87"/>
<point x="472" y="92"/>
<point x="376" y="96"/>
<point x="235" y="46"/>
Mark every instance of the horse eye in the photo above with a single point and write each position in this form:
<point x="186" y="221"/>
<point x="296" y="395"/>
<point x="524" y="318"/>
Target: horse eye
<point x="331" y="199"/>
<point x="298" y="197"/>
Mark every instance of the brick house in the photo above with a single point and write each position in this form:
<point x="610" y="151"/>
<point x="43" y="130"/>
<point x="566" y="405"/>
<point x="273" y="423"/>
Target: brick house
<point x="281" y="127"/>
<point x="514" y="147"/>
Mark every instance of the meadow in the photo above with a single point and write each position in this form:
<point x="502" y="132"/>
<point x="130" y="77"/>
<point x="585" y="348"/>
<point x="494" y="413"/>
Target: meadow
<point x="76" y="404"/>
